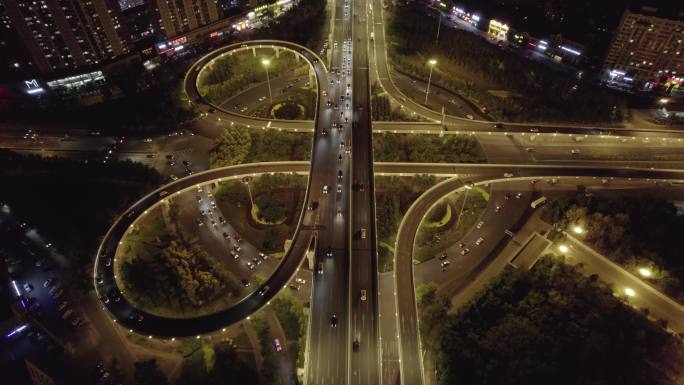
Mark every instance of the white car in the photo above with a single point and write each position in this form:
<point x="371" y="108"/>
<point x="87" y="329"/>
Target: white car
<point x="300" y="281"/>
<point x="479" y="225"/>
<point x="363" y="295"/>
<point x="479" y="241"/>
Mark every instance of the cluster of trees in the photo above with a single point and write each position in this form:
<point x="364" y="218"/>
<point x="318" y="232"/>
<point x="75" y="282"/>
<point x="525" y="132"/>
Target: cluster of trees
<point x="182" y="274"/>
<point x="239" y="144"/>
<point x="290" y="313"/>
<point x="632" y="231"/>
<point x="546" y="95"/>
<point x="269" y="365"/>
<point x="272" y="208"/>
<point x="272" y="145"/>
<point x="433" y="310"/>
<point x="69" y="201"/>
<point x="231" y="147"/>
<point x="427" y="148"/>
<point x="553" y="325"/>
<point x="289" y="111"/>
<point x="214" y="365"/>
<point x="393" y="196"/>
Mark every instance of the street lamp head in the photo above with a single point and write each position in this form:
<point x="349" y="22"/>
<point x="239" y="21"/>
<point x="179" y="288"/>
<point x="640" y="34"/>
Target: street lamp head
<point x="432" y="62"/>
<point x="645" y="272"/>
<point x="563" y="249"/>
<point x="265" y="62"/>
<point x="664" y="101"/>
<point x="578" y="230"/>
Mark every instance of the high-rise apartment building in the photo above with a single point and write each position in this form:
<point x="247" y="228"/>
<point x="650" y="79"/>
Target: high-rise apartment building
<point x="62" y="34"/>
<point x="647" y="48"/>
<point x="175" y="17"/>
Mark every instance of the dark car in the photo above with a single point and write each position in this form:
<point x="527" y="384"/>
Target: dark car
<point x="333" y="321"/>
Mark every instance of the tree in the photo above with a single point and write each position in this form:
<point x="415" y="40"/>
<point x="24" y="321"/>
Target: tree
<point x="231" y="147"/>
<point x="147" y="373"/>
<point x="437" y="212"/>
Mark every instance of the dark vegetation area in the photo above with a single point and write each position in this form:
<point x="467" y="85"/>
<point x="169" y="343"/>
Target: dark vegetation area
<point x="184" y="277"/>
<point x="553" y="325"/>
<point x="632" y="231"/>
<point x="72" y="202"/>
<point x="471" y="66"/>
<point x="423" y="148"/>
<point x="394" y="195"/>
<point x="239" y="144"/>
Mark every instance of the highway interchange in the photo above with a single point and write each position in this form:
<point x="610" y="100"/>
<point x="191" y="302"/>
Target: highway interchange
<point x="342" y="226"/>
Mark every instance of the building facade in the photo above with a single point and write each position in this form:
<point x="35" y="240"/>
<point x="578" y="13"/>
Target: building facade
<point x="176" y="17"/>
<point x="647" y="49"/>
<point x="61" y="35"/>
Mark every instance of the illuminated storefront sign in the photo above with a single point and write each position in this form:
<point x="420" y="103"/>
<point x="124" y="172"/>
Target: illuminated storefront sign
<point x="32" y="87"/>
<point x="498" y="30"/>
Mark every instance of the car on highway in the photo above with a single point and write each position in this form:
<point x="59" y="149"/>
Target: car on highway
<point x="333" y="321"/>
<point x="325" y="189"/>
<point x="49" y="282"/>
<point x="498" y="126"/>
<point x="104" y="298"/>
<point x="479" y="224"/>
<point x="339" y="188"/>
<point x="28" y="287"/>
<point x="518" y="195"/>
<point x="363" y="294"/>
<point x="234" y="254"/>
<point x="262" y="292"/>
<point x="479" y="241"/>
<point x="263" y="256"/>
<point x="276" y="345"/>
<point x="465" y="251"/>
<point x="319" y="270"/>
<point x="445" y="263"/>
<point x="498" y="207"/>
<point x="443" y="256"/>
<point x="245" y="283"/>
<point x="339" y="212"/>
<point x="251" y="265"/>
<point x="313" y="206"/>
<point x="300" y="281"/>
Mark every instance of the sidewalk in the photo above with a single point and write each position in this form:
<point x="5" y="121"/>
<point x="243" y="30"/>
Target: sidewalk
<point x="660" y="306"/>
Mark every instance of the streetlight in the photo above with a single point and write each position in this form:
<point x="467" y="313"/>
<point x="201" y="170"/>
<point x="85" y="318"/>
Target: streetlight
<point x="630" y="292"/>
<point x="577" y="230"/>
<point x="246" y="181"/>
<point x="432" y="63"/>
<point x="563" y="249"/>
<point x="266" y="62"/>
<point x="439" y="24"/>
<point x="645" y="272"/>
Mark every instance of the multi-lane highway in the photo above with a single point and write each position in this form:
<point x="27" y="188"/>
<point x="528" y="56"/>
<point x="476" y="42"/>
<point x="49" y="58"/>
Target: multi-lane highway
<point x="365" y="368"/>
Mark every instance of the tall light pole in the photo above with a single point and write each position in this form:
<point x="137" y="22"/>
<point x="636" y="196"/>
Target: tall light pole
<point x="266" y="62"/>
<point x="439" y="24"/>
<point x="432" y="63"/>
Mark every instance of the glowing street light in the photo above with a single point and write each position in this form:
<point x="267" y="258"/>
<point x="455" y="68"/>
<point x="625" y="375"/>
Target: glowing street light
<point x="646" y="273"/>
<point x="563" y="249"/>
<point x="432" y="63"/>
<point x="577" y="230"/>
<point x="266" y="62"/>
<point x="630" y="292"/>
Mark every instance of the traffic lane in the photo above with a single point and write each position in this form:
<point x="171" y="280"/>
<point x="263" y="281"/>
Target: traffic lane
<point x="250" y="98"/>
<point x="645" y="296"/>
<point x="438" y="98"/>
<point x="463" y="268"/>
